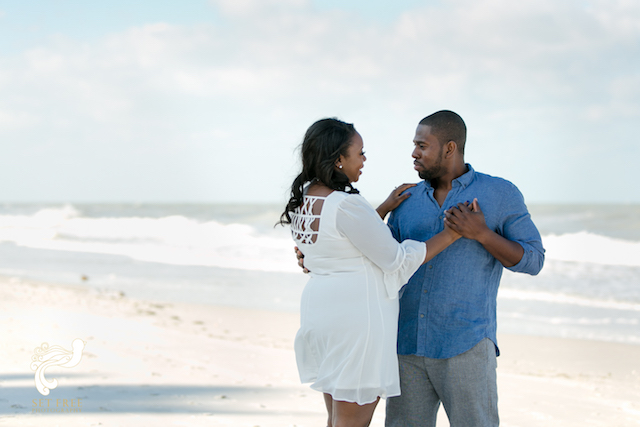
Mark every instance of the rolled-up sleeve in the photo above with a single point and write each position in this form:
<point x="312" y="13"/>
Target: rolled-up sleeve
<point x="360" y="223"/>
<point x="519" y="227"/>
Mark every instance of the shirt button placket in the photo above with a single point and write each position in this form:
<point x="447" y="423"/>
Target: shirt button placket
<point x="425" y="304"/>
<point x="425" y="291"/>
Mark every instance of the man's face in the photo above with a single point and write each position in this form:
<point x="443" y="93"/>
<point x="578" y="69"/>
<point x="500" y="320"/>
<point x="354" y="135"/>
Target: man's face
<point x="428" y="154"/>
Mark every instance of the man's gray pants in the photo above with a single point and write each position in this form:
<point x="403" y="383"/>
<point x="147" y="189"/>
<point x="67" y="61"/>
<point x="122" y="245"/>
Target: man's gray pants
<point x="465" y="384"/>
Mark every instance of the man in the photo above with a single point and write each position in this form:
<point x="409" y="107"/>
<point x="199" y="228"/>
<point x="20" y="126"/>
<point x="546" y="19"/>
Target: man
<point x="447" y="345"/>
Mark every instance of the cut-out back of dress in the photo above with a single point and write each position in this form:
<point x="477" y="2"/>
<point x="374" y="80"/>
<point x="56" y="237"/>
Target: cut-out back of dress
<point x="305" y="220"/>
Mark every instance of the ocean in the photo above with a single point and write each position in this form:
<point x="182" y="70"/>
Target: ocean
<point x="233" y="255"/>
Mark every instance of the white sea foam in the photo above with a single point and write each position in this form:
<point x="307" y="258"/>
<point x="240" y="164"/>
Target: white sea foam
<point x="560" y="298"/>
<point x="592" y="248"/>
<point x="185" y="241"/>
<point x="609" y="329"/>
<point x="171" y="240"/>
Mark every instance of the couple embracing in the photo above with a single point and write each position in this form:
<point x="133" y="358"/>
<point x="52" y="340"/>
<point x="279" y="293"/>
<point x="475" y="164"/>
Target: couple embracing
<point x="404" y="310"/>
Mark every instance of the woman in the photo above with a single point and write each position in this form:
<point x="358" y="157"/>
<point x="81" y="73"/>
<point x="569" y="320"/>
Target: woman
<point x="346" y="344"/>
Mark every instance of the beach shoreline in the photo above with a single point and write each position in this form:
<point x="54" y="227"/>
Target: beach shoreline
<point x="157" y="363"/>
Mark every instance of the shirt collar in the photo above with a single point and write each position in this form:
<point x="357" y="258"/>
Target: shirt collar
<point x="463" y="180"/>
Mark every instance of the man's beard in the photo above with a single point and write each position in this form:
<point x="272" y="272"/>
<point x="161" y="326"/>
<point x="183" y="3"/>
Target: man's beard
<point x="435" y="171"/>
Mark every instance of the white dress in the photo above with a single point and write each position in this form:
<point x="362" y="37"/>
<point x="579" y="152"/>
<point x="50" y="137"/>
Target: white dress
<point x="346" y="345"/>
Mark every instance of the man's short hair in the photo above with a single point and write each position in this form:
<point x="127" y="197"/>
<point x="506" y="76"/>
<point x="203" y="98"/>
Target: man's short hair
<point x="447" y="126"/>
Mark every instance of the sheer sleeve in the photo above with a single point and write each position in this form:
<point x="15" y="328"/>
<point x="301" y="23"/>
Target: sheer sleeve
<point x="360" y="223"/>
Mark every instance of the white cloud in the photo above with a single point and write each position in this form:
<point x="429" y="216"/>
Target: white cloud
<point x="211" y="97"/>
<point x="9" y="119"/>
<point x="619" y="18"/>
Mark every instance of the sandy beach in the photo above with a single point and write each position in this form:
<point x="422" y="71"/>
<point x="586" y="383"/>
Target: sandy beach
<point x="147" y="363"/>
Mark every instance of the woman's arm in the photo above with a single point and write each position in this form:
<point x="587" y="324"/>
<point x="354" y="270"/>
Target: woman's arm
<point x="440" y="242"/>
<point x="435" y="245"/>
<point x="357" y="221"/>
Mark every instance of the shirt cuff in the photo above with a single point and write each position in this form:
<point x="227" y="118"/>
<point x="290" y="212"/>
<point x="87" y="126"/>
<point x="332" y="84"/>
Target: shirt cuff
<point x="413" y="254"/>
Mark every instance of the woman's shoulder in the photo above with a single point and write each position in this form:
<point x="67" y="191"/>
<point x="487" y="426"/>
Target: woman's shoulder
<point x="352" y="201"/>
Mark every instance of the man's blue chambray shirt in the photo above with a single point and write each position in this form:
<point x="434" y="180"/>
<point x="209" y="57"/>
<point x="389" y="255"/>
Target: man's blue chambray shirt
<point x="449" y="304"/>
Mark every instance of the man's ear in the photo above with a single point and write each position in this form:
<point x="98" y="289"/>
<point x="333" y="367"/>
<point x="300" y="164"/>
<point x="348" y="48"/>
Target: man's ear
<point x="450" y="148"/>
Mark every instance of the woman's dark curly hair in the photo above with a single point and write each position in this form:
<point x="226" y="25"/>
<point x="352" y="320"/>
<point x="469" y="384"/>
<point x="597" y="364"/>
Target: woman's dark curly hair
<point x="323" y="143"/>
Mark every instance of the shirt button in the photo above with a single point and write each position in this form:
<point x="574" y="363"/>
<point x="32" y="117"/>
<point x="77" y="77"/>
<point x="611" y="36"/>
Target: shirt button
<point x="425" y="291"/>
<point x="422" y="315"/>
<point x="430" y="267"/>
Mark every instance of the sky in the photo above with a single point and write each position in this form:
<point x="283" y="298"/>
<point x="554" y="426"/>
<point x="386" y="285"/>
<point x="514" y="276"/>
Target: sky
<point x="207" y="100"/>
